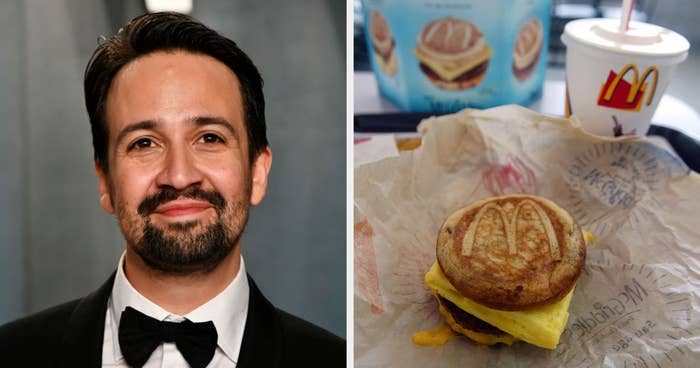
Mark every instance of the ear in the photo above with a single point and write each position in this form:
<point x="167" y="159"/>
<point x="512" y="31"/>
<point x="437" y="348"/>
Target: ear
<point x="259" y="173"/>
<point x="103" y="180"/>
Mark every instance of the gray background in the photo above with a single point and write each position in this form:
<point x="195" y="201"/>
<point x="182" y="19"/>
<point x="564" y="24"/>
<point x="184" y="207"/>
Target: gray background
<point x="56" y="243"/>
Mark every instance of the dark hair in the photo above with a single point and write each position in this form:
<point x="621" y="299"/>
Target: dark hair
<point x="166" y="31"/>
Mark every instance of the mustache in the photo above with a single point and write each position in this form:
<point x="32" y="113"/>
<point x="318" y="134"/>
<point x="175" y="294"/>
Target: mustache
<point x="150" y="203"/>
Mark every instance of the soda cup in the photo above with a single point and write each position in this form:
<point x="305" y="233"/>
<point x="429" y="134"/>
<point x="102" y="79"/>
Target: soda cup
<point x="615" y="79"/>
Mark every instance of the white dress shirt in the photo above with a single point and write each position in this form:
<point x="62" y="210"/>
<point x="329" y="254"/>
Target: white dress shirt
<point x="228" y="311"/>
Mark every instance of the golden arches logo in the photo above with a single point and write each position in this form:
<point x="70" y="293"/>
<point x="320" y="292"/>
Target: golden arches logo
<point x="618" y="93"/>
<point x="511" y="228"/>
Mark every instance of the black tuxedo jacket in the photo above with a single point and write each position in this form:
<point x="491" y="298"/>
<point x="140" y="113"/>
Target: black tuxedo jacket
<point x="71" y="335"/>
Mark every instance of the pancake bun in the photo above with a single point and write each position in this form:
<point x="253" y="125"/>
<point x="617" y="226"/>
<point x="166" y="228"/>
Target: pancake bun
<point x="512" y="252"/>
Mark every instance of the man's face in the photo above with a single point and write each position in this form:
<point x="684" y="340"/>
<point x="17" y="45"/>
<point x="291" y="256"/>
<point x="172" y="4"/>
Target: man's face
<point x="179" y="176"/>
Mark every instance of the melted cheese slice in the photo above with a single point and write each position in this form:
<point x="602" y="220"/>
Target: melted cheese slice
<point x="539" y="326"/>
<point x="451" y="70"/>
<point x="437" y="337"/>
<point x="589" y="238"/>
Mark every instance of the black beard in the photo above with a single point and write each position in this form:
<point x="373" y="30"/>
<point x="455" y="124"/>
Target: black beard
<point x="186" y="252"/>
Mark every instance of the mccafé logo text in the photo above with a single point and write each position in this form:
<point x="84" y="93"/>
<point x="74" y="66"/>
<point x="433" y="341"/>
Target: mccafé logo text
<point x="618" y="93"/>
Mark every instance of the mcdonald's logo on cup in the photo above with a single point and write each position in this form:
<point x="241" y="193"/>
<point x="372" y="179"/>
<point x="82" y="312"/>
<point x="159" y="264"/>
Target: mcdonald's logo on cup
<point x="615" y="80"/>
<point x="618" y="93"/>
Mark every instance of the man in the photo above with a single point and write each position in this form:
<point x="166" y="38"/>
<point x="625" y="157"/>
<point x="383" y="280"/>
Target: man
<point x="178" y="126"/>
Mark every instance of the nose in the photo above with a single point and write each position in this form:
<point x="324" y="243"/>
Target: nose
<point x="179" y="169"/>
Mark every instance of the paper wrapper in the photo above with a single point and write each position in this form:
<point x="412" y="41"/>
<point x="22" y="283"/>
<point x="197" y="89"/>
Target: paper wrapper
<point x="637" y="302"/>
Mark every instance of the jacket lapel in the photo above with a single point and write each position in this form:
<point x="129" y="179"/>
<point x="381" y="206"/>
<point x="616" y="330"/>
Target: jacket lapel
<point x="262" y="345"/>
<point x="82" y="342"/>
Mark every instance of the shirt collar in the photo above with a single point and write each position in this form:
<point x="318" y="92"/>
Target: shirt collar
<point x="228" y="310"/>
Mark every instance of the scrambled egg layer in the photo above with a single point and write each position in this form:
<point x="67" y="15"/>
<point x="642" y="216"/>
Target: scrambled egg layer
<point x="539" y="326"/>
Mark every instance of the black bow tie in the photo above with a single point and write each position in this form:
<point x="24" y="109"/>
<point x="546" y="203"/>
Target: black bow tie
<point x="140" y="334"/>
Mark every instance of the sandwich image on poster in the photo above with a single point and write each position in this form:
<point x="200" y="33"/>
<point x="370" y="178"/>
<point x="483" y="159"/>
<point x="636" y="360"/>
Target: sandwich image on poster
<point x="383" y="43"/>
<point x="527" y="50"/>
<point x="453" y="53"/>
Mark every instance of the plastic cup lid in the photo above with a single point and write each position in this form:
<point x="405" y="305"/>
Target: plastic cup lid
<point x="641" y="38"/>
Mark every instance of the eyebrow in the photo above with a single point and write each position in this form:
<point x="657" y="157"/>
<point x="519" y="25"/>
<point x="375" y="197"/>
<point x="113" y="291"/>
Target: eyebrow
<point x="197" y="120"/>
<point x="215" y="120"/>
<point x="142" y="125"/>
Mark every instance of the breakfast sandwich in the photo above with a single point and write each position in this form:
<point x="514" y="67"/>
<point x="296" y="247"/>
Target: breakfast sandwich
<point x="506" y="270"/>
<point x="382" y="43"/>
<point x="453" y="53"/>
<point x="527" y="49"/>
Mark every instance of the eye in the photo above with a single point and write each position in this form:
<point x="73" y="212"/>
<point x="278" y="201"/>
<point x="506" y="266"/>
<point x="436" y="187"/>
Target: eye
<point x="141" y="143"/>
<point x="210" y="138"/>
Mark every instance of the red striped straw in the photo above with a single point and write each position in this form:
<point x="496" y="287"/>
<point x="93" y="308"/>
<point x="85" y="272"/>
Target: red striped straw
<point x="626" y="14"/>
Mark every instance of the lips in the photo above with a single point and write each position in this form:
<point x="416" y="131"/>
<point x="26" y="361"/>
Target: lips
<point x="182" y="207"/>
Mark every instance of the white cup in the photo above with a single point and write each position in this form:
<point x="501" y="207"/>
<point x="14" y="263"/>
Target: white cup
<point x="616" y="79"/>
